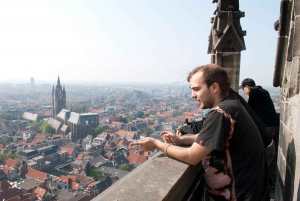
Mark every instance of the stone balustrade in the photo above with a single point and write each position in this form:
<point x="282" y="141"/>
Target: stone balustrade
<point x="159" y="178"/>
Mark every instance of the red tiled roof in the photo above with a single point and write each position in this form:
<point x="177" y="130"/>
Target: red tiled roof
<point x="188" y="113"/>
<point x="56" y="135"/>
<point x="120" y="142"/>
<point x="136" y="159"/>
<point x="128" y="134"/>
<point x="40" y="192"/>
<point x="10" y="162"/>
<point x="4" y="185"/>
<point x="80" y="177"/>
<point x="74" y="185"/>
<point x="69" y="150"/>
<point x="47" y="113"/>
<point x="40" y="137"/>
<point x="64" y="179"/>
<point x="6" y="169"/>
<point x="95" y="110"/>
<point x="33" y="173"/>
<point x="11" y="193"/>
<point x="92" y="184"/>
<point x="72" y="177"/>
<point x="79" y="157"/>
<point x="116" y="123"/>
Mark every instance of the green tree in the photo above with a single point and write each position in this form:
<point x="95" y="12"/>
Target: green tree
<point x="98" y="130"/>
<point x="123" y="119"/>
<point x="17" y="152"/>
<point x="47" y="128"/>
<point x="140" y="114"/>
<point x="175" y="107"/>
<point x="2" y="156"/>
<point x="153" y="112"/>
<point x="7" y="140"/>
<point x="93" y="102"/>
<point x="6" y="116"/>
<point x="129" y="117"/>
<point x="125" y="167"/>
<point x="95" y="174"/>
<point x="148" y="131"/>
<point x="36" y="125"/>
<point x="10" y="155"/>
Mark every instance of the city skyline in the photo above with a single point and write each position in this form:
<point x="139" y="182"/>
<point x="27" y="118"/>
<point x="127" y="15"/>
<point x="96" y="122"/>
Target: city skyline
<point x="132" y="41"/>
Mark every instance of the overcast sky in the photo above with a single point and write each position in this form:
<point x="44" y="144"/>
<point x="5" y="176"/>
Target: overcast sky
<point x="125" y="40"/>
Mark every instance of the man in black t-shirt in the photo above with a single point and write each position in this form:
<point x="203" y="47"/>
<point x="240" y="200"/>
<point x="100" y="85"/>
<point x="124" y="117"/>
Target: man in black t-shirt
<point x="229" y="144"/>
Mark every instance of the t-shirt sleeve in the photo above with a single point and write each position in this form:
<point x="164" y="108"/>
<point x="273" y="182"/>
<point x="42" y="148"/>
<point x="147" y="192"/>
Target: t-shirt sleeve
<point x="214" y="131"/>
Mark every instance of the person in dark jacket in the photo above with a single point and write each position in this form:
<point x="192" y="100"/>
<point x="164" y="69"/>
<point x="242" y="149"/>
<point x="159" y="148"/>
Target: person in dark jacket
<point x="261" y="103"/>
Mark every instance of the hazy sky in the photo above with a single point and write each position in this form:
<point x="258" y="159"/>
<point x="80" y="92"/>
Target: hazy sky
<point x="125" y="40"/>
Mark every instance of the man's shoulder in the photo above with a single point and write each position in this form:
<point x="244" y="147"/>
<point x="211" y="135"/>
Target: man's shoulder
<point x="229" y="106"/>
<point x="229" y="103"/>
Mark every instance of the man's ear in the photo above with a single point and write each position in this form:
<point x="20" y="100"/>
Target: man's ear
<point x="215" y="88"/>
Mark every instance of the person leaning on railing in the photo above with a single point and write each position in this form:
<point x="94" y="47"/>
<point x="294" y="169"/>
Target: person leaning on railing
<point x="229" y="143"/>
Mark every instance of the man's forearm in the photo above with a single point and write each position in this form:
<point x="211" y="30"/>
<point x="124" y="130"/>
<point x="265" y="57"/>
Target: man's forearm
<point x="188" y="139"/>
<point x="191" y="155"/>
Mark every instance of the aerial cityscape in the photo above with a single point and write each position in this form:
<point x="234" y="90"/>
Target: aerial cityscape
<point x="76" y="137"/>
<point x="84" y="84"/>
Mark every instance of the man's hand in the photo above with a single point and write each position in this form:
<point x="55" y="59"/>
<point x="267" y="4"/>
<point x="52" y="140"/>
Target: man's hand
<point x="147" y="144"/>
<point x="178" y="133"/>
<point x="170" y="138"/>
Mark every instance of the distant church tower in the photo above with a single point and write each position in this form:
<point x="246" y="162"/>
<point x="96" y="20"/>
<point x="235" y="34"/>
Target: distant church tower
<point x="58" y="99"/>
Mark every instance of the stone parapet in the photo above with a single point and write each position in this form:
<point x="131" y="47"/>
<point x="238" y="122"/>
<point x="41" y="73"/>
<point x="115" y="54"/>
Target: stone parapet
<point x="159" y="178"/>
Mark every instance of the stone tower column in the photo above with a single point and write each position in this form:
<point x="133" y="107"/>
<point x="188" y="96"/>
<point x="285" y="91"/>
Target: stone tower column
<point x="226" y="40"/>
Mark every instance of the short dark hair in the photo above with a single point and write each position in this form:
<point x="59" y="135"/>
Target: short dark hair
<point x="212" y="73"/>
<point x="249" y="82"/>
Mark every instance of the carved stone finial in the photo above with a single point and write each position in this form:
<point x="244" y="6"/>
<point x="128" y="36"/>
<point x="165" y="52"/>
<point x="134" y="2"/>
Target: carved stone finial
<point x="241" y="14"/>
<point x="218" y="32"/>
<point x="243" y="32"/>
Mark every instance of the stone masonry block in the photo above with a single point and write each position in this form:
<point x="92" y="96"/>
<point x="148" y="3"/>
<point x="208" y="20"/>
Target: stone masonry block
<point x="281" y="164"/>
<point x="294" y="77"/>
<point x="284" y="140"/>
<point x="296" y="45"/>
<point x="289" y="117"/>
<point x="288" y="71"/>
<point x="289" y="56"/>
<point x="297" y="172"/>
<point x="295" y="120"/>
<point x="297" y="7"/>
<point x="283" y="114"/>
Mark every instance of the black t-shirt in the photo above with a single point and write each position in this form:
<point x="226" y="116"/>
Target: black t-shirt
<point x="262" y="104"/>
<point x="237" y="167"/>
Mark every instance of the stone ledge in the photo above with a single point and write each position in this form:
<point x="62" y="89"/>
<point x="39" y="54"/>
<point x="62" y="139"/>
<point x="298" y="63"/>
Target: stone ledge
<point x="159" y="178"/>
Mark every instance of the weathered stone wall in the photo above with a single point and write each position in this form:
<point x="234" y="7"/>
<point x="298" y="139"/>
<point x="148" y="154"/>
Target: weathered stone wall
<point x="287" y="75"/>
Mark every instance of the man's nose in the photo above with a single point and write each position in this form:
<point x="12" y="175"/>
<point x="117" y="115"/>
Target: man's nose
<point x="193" y="94"/>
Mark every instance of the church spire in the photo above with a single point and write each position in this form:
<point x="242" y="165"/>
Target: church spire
<point x="58" y="81"/>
